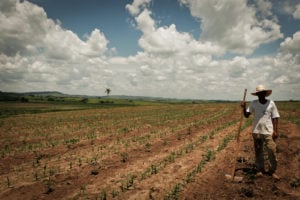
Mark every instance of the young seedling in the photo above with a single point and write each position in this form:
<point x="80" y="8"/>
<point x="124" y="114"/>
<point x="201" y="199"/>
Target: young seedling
<point x="71" y="164"/>
<point x="189" y="131"/>
<point x="114" y="193"/>
<point x="82" y="189"/>
<point x="79" y="162"/>
<point x="8" y="182"/>
<point x="49" y="186"/>
<point x="103" y="195"/>
<point x="124" y="157"/>
<point x="148" y="147"/>
<point x="36" y="176"/>
<point x="154" y="169"/>
<point x="129" y="183"/>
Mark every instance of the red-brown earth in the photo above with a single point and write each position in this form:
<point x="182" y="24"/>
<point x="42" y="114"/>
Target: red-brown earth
<point x="178" y="157"/>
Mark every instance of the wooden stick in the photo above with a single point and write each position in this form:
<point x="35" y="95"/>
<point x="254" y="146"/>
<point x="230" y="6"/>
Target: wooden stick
<point x="238" y="138"/>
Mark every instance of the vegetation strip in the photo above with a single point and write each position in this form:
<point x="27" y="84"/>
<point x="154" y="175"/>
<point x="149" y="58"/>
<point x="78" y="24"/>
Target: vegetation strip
<point x="209" y="156"/>
<point x="109" y="145"/>
<point x="128" y="183"/>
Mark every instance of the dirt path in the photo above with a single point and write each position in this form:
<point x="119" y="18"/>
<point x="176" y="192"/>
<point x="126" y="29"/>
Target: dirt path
<point x="211" y="184"/>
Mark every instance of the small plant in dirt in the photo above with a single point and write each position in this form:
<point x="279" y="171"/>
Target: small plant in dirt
<point x="114" y="193"/>
<point x="124" y="157"/>
<point x="225" y="142"/>
<point x="151" y="191"/>
<point x="165" y="142"/>
<point x="148" y="147"/>
<point x="146" y="173"/>
<point x="129" y="183"/>
<point x="103" y="195"/>
<point x="37" y="159"/>
<point x="188" y="148"/>
<point x="295" y="182"/>
<point x="44" y="170"/>
<point x="189" y="131"/>
<point x="210" y="155"/>
<point x="125" y="130"/>
<point x="49" y="186"/>
<point x="190" y="176"/>
<point x="203" y="138"/>
<point x="131" y="180"/>
<point x="179" y="152"/>
<point x="52" y="172"/>
<point x="94" y="160"/>
<point x="71" y="141"/>
<point x="36" y="176"/>
<point x="171" y="157"/>
<point x="79" y="162"/>
<point x="82" y="189"/>
<point x="174" y="193"/>
<point x="200" y="166"/>
<point x="8" y="183"/>
<point x="154" y="169"/>
<point x="179" y="136"/>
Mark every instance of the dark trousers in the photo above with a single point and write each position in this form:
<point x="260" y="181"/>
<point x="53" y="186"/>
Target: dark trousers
<point x="259" y="141"/>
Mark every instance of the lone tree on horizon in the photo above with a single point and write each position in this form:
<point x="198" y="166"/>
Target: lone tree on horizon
<point x="107" y="91"/>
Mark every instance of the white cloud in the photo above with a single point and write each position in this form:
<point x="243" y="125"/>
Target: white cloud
<point x="233" y="24"/>
<point x="167" y="40"/>
<point x="264" y="6"/>
<point x="136" y="6"/>
<point x="145" y="22"/>
<point x="291" y="45"/>
<point x="21" y="27"/>
<point x="296" y="13"/>
<point x="36" y="53"/>
<point x="97" y="44"/>
<point x="291" y="8"/>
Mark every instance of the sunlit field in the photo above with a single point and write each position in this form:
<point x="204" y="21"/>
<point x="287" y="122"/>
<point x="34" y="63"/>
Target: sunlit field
<point x="56" y="151"/>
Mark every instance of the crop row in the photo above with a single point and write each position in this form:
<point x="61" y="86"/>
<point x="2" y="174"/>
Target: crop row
<point x="133" y="178"/>
<point x="63" y="143"/>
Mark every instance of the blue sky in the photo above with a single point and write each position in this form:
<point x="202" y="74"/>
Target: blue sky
<point x="83" y="17"/>
<point x="198" y="49"/>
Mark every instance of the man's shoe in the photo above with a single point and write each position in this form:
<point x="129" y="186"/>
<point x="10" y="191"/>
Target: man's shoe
<point x="275" y="176"/>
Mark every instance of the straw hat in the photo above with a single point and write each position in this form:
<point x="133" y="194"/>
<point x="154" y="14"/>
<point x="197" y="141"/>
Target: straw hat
<point x="261" y="88"/>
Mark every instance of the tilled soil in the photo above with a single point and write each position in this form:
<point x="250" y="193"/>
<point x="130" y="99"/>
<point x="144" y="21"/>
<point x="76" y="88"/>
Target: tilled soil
<point x="181" y="166"/>
<point x="212" y="183"/>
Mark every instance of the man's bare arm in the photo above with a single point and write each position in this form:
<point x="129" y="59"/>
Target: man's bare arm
<point x="243" y="105"/>
<point x="275" y="128"/>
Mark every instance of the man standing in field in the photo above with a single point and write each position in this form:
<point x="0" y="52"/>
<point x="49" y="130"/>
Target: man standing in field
<point x="264" y="129"/>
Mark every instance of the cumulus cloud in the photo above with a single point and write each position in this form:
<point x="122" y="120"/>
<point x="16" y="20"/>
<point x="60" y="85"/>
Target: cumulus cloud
<point x="145" y="22"/>
<point x="167" y="40"/>
<point x="233" y="24"/>
<point x="36" y="53"/>
<point x="34" y="48"/>
<point x="291" y="44"/>
<point x="296" y="13"/>
<point x="21" y="27"/>
<point x="264" y="6"/>
<point x="291" y="8"/>
<point x="136" y="6"/>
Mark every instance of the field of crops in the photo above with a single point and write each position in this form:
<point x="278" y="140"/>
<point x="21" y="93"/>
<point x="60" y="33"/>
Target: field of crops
<point x="135" y="152"/>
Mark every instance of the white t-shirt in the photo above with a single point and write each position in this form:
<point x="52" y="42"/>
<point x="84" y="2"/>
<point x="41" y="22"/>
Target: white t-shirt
<point x="263" y="114"/>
